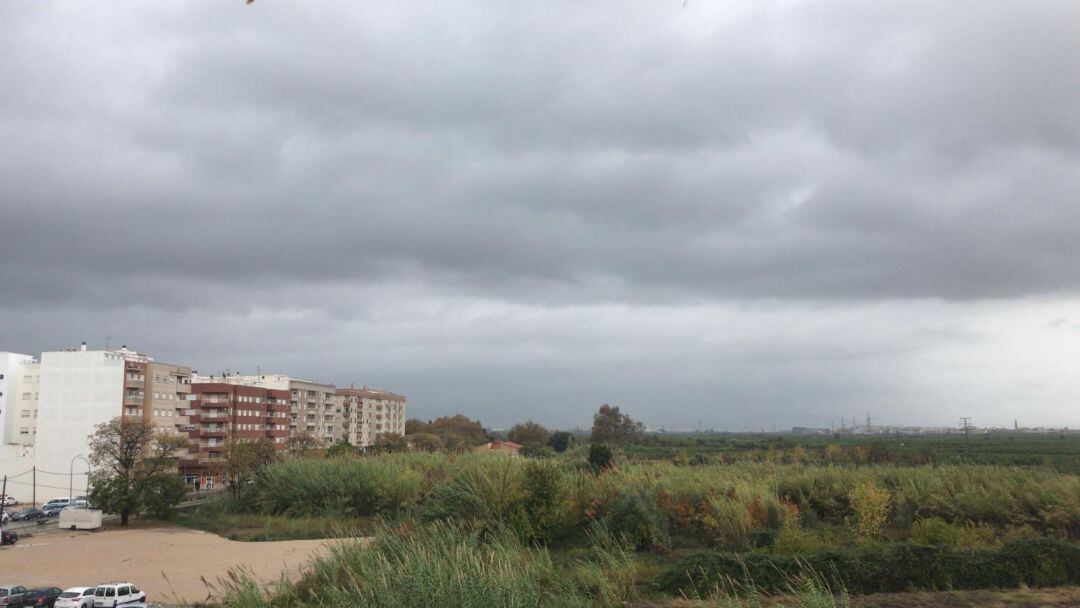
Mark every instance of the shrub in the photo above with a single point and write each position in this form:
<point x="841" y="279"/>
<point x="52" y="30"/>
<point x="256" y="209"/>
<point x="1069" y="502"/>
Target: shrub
<point x="796" y="540"/>
<point x="637" y="519"/>
<point x="533" y="450"/>
<point x="545" y="501"/>
<point x="895" y="568"/>
<point x="727" y="523"/>
<point x="871" y="506"/>
<point x="600" y="457"/>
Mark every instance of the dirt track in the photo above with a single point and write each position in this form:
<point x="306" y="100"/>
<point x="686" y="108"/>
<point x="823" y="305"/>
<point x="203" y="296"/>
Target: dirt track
<point x="167" y="563"/>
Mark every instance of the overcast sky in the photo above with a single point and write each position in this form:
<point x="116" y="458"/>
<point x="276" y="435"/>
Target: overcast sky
<point x="733" y="214"/>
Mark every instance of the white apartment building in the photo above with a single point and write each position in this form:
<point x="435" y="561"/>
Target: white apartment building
<point x="370" y="412"/>
<point x="18" y="397"/>
<point x="52" y="407"/>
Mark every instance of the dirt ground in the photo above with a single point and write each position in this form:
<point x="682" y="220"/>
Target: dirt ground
<point x="167" y="563"/>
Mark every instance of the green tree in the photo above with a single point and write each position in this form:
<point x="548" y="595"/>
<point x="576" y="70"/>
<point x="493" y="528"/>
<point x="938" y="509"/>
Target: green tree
<point x="561" y="441"/>
<point x="163" y="492"/>
<point x="390" y="442"/>
<point x="129" y="459"/>
<point x="339" y="449"/>
<point x="458" y="433"/>
<point x="529" y="433"/>
<point x="612" y="427"/>
<point x="425" y="442"/>
<point x="244" y="458"/>
<point x="303" y="443"/>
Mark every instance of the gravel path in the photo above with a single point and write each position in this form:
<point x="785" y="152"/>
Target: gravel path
<point x="168" y="563"/>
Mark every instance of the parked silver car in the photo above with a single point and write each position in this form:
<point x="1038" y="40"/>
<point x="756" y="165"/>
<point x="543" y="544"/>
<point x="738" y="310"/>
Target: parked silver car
<point x="11" y="595"/>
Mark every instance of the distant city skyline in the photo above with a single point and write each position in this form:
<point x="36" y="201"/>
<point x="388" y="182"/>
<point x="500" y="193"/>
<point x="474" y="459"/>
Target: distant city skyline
<point x="746" y="214"/>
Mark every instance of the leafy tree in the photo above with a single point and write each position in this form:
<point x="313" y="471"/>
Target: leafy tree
<point x="390" y="442"/>
<point x="244" y="458"/>
<point x="341" y="448"/>
<point x="561" y="441"/>
<point x="302" y="443"/>
<point x="425" y="442"/>
<point x="529" y="433"/>
<point x="458" y="433"/>
<point x="612" y="427"/>
<point x="163" y="492"/>
<point x="129" y="460"/>
<point x="600" y="457"/>
<point x="535" y="450"/>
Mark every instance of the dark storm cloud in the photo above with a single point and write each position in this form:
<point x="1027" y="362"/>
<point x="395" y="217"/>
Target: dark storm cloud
<point x="815" y="151"/>
<point x="247" y="168"/>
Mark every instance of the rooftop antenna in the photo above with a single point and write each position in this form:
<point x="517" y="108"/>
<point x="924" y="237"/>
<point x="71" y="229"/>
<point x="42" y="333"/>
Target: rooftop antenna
<point x="107" y="339"/>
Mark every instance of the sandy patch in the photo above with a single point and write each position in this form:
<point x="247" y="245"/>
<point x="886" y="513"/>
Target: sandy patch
<point x="168" y="563"/>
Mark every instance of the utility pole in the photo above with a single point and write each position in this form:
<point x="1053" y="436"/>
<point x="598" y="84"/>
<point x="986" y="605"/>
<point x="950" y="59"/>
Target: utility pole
<point x="33" y="492"/>
<point x="966" y="426"/>
<point x="3" y="502"/>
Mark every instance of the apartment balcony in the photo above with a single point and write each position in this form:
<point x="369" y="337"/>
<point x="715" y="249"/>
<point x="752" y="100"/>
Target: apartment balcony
<point x="212" y="433"/>
<point x="129" y="382"/>
<point x="134" y="399"/>
<point x="213" y="417"/>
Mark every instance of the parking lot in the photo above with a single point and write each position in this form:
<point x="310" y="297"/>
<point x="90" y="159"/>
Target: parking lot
<point x="168" y="563"/>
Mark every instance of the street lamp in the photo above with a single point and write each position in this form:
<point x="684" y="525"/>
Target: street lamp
<point x="71" y="474"/>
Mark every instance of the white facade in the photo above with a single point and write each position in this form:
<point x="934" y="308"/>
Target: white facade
<point x="11" y="392"/>
<point x="51" y="408"/>
<point x="78" y="391"/>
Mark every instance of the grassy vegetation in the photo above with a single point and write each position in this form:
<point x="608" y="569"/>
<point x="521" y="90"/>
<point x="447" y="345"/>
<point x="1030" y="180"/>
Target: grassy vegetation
<point x="1060" y="451"/>
<point x="448" y="565"/>
<point x="693" y="527"/>
<point x="221" y="518"/>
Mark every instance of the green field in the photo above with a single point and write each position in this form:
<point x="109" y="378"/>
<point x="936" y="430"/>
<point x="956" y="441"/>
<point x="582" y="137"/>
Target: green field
<point x="692" y="517"/>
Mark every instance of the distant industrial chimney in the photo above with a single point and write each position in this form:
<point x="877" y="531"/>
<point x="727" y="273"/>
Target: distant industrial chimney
<point x="82" y="347"/>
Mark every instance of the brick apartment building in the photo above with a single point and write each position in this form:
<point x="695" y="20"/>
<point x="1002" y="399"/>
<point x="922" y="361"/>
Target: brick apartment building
<point x="222" y="412"/>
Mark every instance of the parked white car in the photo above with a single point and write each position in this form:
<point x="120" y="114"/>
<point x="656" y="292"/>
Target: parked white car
<point x="110" y="595"/>
<point x="76" y="597"/>
<point x="77" y="504"/>
<point x="8" y="500"/>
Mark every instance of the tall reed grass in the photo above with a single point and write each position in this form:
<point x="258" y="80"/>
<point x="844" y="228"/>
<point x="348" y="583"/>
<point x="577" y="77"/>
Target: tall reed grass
<point x="725" y="504"/>
<point x="447" y="565"/>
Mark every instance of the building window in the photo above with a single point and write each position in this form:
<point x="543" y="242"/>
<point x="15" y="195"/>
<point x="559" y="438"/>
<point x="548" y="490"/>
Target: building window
<point x="26" y="413"/>
<point x="26" y="396"/>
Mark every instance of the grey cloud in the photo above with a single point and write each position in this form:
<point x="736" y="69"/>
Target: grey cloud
<point x="258" y="171"/>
